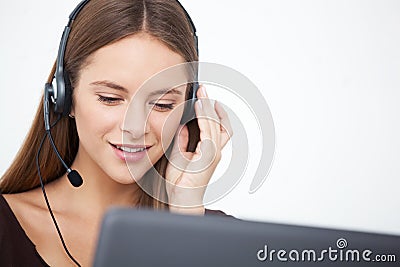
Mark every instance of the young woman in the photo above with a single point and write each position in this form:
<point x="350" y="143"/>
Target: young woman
<point x="114" y="46"/>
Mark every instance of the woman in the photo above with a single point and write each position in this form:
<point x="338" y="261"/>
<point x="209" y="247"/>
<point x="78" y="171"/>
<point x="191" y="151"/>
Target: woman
<point x="114" y="46"/>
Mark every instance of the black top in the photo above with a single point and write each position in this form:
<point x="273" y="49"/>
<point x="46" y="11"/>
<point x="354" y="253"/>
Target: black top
<point x="16" y="249"/>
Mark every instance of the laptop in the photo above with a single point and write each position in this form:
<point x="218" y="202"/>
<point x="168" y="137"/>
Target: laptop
<point x="146" y="238"/>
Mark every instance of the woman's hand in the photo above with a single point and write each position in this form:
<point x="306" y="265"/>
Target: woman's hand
<point x="188" y="173"/>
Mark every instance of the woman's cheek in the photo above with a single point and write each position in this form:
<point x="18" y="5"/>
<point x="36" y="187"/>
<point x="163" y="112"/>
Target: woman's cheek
<point x="94" y="119"/>
<point x="165" y="126"/>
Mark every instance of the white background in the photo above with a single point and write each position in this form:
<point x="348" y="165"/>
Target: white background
<point x="329" y="70"/>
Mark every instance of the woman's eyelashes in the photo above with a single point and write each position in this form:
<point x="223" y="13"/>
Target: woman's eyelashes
<point x="162" y="106"/>
<point x="158" y="106"/>
<point x="109" y="100"/>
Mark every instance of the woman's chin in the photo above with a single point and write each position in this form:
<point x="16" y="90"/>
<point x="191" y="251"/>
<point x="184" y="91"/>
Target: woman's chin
<point x="126" y="179"/>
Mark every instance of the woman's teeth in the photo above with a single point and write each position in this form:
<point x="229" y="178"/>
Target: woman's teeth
<point x="131" y="150"/>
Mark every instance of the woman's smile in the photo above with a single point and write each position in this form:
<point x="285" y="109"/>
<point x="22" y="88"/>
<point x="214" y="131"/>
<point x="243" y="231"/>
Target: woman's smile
<point x="130" y="153"/>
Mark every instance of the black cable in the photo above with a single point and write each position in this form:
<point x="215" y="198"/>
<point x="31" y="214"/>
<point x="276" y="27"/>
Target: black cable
<point x="45" y="195"/>
<point x="56" y="150"/>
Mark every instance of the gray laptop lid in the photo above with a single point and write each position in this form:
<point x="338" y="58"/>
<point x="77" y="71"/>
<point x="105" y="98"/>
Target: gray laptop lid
<point x="146" y="238"/>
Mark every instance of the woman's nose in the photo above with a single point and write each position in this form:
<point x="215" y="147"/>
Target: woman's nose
<point x="136" y="122"/>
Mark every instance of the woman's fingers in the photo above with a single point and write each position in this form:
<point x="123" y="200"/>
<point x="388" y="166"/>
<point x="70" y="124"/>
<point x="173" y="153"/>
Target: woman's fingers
<point x="225" y="124"/>
<point x="183" y="138"/>
<point x="209" y="116"/>
<point x="179" y="155"/>
<point x="202" y="109"/>
<point x="213" y="120"/>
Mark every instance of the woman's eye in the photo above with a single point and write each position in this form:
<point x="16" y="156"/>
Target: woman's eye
<point x="109" y="100"/>
<point x="163" y="107"/>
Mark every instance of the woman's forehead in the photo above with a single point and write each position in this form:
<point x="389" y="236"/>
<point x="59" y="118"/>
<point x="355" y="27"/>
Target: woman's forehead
<point x="138" y="61"/>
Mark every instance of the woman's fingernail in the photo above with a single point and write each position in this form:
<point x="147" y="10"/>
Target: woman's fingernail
<point x="199" y="103"/>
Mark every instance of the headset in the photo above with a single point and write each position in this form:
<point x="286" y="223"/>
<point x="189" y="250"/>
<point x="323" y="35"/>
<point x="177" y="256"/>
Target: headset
<point x="60" y="96"/>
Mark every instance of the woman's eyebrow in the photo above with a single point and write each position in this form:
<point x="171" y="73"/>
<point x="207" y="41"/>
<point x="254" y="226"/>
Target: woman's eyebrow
<point x="110" y="85"/>
<point x="166" y="91"/>
<point x="121" y="88"/>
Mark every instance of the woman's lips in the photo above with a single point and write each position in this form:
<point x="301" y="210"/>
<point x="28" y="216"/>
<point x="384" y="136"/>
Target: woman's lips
<point x="130" y="153"/>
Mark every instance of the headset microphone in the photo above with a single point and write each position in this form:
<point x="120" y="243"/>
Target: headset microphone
<point x="73" y="176"/>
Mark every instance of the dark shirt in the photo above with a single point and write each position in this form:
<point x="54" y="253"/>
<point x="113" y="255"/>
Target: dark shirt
<point x="17" y="250"/>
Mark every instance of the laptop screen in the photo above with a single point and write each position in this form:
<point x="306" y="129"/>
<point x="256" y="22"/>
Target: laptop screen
<point x="132" y="237"/>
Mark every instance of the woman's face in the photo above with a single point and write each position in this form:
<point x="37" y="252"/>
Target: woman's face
<point x="107" y="83"/>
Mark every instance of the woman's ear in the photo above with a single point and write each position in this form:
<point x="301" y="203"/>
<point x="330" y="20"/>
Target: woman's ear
<point x="72" y="109"/>
<point x="72" y="112"/>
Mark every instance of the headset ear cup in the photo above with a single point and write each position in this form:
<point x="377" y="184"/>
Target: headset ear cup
<point x="68" y="95"/>
<point x="189" y="112"/>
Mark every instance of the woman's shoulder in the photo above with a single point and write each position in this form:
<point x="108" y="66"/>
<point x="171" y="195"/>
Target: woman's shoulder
<point x="20" y="205"/>
<point x="21" y="211"/>
<point x="16" y="249"/>
<point x="11" y="208"/>
<point x="8" y="203"/>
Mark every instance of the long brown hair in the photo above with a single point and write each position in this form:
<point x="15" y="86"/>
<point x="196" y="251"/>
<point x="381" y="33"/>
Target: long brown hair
<point x="100" y="23"/>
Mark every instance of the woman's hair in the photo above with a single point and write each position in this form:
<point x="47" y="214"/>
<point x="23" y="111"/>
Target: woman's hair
<point x="100" y="23"/>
